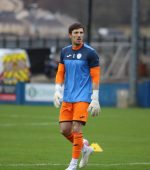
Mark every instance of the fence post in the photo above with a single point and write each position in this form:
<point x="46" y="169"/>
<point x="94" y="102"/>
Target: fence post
<point x="144" y="49"/>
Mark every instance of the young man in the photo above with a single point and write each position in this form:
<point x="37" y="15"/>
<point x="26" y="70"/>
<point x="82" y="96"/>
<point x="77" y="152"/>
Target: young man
<point x="79" y="72"/>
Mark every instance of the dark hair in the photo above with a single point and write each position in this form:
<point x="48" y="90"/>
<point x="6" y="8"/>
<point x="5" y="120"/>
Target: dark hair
<point x="75" y="26"/>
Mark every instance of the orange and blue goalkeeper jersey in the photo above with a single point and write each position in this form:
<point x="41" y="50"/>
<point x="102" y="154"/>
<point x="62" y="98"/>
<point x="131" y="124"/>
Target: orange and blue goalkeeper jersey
<point x="77" y="63"/>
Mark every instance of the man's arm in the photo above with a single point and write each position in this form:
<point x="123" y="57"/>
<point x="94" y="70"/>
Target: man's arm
<point x="94" y="107"/>
<point x="59" y="85"/>
<point x="60" y="74"/>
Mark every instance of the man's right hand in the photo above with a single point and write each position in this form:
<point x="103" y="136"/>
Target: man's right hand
<point x="58" y="95"/>
<point x="57" y="99"/>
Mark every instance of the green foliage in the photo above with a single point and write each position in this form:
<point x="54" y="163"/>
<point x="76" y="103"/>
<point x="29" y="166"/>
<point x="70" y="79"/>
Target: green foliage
<point x="30" y="139"/>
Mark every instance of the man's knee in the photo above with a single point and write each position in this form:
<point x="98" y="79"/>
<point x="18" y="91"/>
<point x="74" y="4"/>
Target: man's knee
<point x="65" y="128"/>
<point x="77" y="127"/>
<point x="65" y="132"/>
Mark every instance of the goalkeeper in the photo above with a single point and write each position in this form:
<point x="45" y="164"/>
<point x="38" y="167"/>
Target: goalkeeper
<point x="77" y="91"/>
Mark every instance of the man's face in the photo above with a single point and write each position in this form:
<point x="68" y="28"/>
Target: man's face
<point x="77" y="36"/>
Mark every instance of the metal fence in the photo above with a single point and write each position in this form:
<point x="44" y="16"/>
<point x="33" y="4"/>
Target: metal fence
<point x="29" y="43"/>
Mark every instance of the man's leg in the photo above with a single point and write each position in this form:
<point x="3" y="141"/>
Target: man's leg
<point x="73" y="130"/>
<point x="65" y="119"/>
<point x="77" y="139"/>
<point x="66" y="130"/>
<point x="77" y="144"/>
<point x="86" y="152"/>
<point x="81" y="114"/>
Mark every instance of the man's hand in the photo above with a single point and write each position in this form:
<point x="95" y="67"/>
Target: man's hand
<point x="94" y="107"/>
<point x="58" y="95"/>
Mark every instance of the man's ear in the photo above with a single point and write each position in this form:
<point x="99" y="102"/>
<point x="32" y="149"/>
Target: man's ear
<point x="70" y="35"/>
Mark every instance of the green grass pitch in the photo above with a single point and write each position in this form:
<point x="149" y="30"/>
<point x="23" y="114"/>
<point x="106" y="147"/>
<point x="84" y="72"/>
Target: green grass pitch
<point x="30" y="139"/>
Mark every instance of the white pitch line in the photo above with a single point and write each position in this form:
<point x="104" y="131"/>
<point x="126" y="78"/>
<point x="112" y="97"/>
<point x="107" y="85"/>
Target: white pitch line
<point x="28" y="124"/>
<point x="56" y="164"/>
<point x="122" y="164"/>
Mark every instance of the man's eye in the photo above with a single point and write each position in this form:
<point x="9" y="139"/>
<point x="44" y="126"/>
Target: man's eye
<point x="78" y="32"/>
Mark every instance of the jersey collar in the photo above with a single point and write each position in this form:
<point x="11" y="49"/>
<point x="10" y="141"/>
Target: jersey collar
<point x="78" y="47"/>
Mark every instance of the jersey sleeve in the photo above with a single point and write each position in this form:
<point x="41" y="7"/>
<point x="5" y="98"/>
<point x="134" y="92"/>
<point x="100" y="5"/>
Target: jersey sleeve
<point x="61" y="57"/>
<point x="61" y="70"/>
<point x="93" y="59"/>
<point x="60" y="74"/>
<point x="95" y="74"/>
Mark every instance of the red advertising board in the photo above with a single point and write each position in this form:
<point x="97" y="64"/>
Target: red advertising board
<point x="7" y="93"/>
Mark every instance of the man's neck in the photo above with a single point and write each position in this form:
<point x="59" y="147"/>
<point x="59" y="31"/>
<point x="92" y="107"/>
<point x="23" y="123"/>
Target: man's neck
<point x="77" y="47"/>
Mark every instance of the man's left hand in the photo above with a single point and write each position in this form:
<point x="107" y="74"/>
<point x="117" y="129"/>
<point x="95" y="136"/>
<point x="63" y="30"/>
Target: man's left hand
<point x="94" y="107"/>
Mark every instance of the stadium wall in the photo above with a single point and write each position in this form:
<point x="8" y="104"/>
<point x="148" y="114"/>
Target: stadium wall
<point x="42" y="94"/>
<point x="108" y="93"/>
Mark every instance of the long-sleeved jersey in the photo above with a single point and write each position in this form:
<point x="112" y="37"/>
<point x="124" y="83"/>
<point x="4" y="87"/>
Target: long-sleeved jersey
<point x="79" y="68"/>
